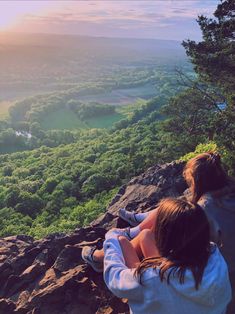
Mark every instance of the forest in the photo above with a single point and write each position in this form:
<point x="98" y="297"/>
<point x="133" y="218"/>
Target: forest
<point x="108" y="86"/>
<point x="54" y="179"/>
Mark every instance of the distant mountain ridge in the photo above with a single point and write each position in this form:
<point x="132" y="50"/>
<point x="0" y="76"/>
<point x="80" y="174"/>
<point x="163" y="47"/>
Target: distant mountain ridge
<point x="22" y="38"/>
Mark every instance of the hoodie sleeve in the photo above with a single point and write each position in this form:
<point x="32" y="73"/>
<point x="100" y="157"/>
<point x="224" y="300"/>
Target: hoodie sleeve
<point x="206" y="204"/>
<point x="119" y="279"/>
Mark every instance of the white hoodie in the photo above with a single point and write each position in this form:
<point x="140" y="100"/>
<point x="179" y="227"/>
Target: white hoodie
<point x="152" y="296"/>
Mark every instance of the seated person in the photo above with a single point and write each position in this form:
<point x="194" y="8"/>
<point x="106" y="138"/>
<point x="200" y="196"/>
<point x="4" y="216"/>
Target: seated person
<point x="210" y="187"/>
<point x="181" y="273"/>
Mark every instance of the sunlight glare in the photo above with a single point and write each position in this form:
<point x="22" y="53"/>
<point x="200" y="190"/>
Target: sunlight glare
<point x="12" y="12"/>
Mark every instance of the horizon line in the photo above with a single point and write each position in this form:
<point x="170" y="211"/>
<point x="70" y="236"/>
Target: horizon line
<point x="89" y="36"/>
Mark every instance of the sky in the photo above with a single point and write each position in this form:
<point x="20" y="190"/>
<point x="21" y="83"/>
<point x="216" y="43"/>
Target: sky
<point x="162" y="19"/>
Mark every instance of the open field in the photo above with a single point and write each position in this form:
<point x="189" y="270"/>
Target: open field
<point x="122" y="96"/>
<point x="106" y="121"/>
<point x="128" y="110"/>
<point x="65" y="119"/>
<point x="4" y="106"/>
<point x="62" y="119"/>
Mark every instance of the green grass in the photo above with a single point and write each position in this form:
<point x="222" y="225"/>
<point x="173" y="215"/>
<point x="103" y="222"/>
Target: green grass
<point x="66" y="119"/>
<point x="62" y="119"/>
<point x="4" y="106"/>
<point x="104" y="121"/>
<point x="128" y="110"/>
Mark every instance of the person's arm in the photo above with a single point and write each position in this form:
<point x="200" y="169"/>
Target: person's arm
<point x="118" y="277"/>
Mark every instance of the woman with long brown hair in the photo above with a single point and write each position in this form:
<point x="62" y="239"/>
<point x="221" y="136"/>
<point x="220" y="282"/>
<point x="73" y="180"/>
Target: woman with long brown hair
<point x="211" y="188"/>
<point x="185" y="274"/>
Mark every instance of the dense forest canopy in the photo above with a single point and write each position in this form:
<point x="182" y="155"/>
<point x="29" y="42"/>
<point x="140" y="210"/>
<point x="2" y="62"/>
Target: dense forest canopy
<point x="90" y="83"/>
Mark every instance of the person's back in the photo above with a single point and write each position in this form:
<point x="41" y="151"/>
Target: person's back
<point x="150" y="295"/>
<point x="188" y="275"/>
<point x="214" y="191"/>
<point x="220" y="209"/>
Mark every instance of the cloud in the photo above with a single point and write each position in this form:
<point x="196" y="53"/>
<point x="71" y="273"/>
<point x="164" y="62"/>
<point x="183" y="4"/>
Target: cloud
<point x="132" y="16"/>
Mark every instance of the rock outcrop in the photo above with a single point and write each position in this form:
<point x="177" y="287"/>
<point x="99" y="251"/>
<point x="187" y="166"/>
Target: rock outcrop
<point x="48" y="276"/>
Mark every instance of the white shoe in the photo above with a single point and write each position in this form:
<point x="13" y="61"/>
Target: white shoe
<point x="128" y="216"/>
<point x="87" y="256"/>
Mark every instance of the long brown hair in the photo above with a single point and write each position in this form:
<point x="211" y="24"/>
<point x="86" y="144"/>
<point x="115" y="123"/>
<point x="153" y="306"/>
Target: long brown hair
<point x="204" y="173"/>
<point x="183" y="240"/>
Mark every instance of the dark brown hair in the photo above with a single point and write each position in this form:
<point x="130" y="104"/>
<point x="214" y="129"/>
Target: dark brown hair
<point x="204" y="173"/>
<point x="183" y="240"/>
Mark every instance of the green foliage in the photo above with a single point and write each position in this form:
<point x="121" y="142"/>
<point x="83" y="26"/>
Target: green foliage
<point x="106" y="121"/>
<point x="194" y="116"/>
<point x="188" y="119"/>
<point x="200" y="148"/>
<point x="100" y="96"/>
<point x="68" y="186"/>
<point x="214" y="60"/>
<point x="50" y="185"/>
<point x="12" y="222"/>
<point x="7" y="170"/>
<point x="90" y="110"/>
<point x="69" y="180"/>
<point x="62" y="119"/>
<point x="214" y="56"/>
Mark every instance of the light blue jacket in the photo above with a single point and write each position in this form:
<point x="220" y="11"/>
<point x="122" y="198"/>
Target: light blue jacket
<point x="152" y="296"/>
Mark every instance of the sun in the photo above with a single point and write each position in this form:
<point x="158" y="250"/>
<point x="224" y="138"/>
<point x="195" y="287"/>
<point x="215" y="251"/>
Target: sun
<point x="13" y="12"/>
<point x="7" y="18"/>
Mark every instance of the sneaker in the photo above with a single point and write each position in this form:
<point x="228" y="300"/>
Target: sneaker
<point x="127" y="233"/>
<point x="87" y="256"/>
<point x="128" y="216"/>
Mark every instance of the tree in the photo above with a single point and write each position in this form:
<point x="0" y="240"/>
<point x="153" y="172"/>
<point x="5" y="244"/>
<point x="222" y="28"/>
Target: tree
<point x="29" y="204"/>
<point x="214" y="61"/>
<point x="214" y="56"/>
<point x="35" y="129"/>
<point x="190" y="120"/>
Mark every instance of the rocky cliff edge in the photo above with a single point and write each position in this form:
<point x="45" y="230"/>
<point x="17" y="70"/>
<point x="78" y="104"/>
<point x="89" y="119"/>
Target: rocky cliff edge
<point x="48" y="276"/>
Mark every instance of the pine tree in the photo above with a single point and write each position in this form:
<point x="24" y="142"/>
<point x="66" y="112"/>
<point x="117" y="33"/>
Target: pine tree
<point x="214" y="56"/>
<point x="214" y="61"/>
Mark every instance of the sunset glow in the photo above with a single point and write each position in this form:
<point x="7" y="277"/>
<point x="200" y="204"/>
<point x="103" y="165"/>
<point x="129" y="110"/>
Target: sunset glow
<point x="12" y="13"/>
<point x="8" y="17"/>
<point x="169" y="19"/>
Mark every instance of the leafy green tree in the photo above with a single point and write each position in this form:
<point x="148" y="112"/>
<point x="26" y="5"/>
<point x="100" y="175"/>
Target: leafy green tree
<point x="7" y="170"/>
<point x="190" y="120"/>
<point x="214" y="60"/>
<point x="35" y="129"/>
<point x="214" y="56"/>
<point x="50" y="185"/>
<point x="29" y="204"/>
<point x="12" y="197"/>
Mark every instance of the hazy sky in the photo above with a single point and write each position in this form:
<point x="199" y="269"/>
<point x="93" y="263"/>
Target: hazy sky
<point x="162" y="19"/>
